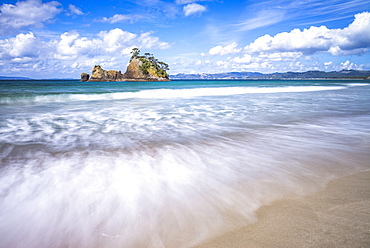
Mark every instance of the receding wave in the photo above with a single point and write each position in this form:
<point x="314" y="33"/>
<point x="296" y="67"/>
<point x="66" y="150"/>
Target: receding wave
<point x="163" y="94"/>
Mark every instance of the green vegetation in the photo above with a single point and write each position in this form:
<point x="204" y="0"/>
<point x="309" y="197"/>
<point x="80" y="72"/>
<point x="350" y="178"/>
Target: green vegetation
<point x="150" y="65"/>
<point x="135" y="53"/>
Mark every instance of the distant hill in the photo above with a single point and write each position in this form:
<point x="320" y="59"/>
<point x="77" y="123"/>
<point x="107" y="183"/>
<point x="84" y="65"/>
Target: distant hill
<point x="321" y="74"/>
<point x="26" y="78"/>
<point x="286" y="75"/>
<point x="227" y="75"/>
<point x="14" y="78"/>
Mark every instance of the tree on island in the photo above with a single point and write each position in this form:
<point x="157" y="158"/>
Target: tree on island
<point x="135" y="53"/>
<point x="150" y="63"/>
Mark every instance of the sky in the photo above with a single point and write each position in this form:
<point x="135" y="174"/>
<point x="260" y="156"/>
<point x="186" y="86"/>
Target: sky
<point x="62" y="39"/>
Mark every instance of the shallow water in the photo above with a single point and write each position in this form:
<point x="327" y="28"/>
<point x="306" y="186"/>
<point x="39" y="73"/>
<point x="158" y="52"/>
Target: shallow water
<point x="167" y="164"/>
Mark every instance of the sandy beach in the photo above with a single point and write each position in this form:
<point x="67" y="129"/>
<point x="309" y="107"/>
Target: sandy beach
<point x="338" y="216"/>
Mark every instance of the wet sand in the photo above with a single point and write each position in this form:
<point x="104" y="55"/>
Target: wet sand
<point x="338" y="216"/>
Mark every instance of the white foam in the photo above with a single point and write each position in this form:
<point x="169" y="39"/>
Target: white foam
<point x="226" y="91"/>
<point x="170" y="195"/>
<point x="166" y="94"/>
<point x="357" y="84"/>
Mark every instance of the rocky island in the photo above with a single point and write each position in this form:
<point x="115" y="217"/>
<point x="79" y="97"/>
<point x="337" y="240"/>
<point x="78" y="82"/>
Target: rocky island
<point x="140" y="68"/>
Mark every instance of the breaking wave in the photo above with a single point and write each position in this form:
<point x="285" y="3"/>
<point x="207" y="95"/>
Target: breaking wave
<point x="163" y="94"/>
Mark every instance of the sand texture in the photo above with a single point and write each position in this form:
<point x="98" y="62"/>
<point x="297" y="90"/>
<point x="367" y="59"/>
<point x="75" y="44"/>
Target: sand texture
<point x="338" y="216"/>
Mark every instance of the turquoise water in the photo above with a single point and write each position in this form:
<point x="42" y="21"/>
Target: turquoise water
<point x="167" y="164"/>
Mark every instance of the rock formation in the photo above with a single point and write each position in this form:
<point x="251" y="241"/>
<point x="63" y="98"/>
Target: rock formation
<point x="99" y="74"/>
<point x="133" y="70"/>
<point x="85" y="77"/>
<point x="140" y="68"/>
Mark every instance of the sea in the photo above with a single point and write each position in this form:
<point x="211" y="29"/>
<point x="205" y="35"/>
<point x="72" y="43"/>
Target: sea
<point x="168" y="164"/>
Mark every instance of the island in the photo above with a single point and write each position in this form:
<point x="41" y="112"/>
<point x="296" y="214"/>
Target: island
<point x="140" y="68"/>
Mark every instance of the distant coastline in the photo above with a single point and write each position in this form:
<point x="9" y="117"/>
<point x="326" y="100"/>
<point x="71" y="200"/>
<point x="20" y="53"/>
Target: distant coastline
<point x="14" y="78"/>
<point x="308" y="75"/>
<point x="344" y="74"/>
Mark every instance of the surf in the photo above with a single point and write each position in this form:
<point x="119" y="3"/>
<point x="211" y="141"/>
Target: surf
<point x="161" y="94"/>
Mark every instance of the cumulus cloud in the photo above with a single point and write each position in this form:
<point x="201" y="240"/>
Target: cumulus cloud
<point x="27" y="13"/>
<point x="148" y="41"/>
<point x="72" y="52"/>
<point x="220" y="50"/>
<point x="116" y="40"/>
<point x="270" y="63"/>
<point x="112" y="42"/>
<point x="245" y="59"/>
<point x="20" y="47"/>
<point x="193" y="9"/>
<point x="70" y="45"/>
<point x="348" y="65"/>
<point x="74" y="10"/>
<point x="354" y="39"/>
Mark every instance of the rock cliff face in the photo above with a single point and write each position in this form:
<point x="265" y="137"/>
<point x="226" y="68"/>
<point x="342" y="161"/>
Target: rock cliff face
<point x="133" y="72"/>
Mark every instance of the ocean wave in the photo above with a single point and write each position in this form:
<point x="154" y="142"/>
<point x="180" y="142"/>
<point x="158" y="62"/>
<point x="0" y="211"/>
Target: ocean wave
<point x="357" y="84"/>
<point x="163" y="94"/>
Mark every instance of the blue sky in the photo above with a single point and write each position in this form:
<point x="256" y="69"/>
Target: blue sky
<point x="62" y="39"/>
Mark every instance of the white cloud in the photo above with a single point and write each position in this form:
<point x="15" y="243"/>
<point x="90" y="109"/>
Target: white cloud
<point x="74" y="10"/>
<point x="224" y="64"/>
<point x="148" y="41"/>
<point x="71" y="52"/>
<point x="116" y="40"/>
<point x="119" y="18"/>
<point x="266" y="65"/>
<point x="113" y="42"/>
<point x="354" y="39"/>
<point x="185" y="1"/>
<point x="194" y="8"/>
<point x="263" y="18"/>
<point x="70" y="44"/>
<point x="26" y="13"/>
<point x="21" y="46"/>
<point x="245" y="59"/>
<point x="280" y="56"/>
<point x="220" y="50"/>
<point x="188" y="1"/>
<point x="348" y="65"/>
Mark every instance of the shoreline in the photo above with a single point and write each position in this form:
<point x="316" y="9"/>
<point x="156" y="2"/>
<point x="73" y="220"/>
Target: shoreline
<point x="337" y="216"/>
<point x="128" y="80"/>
